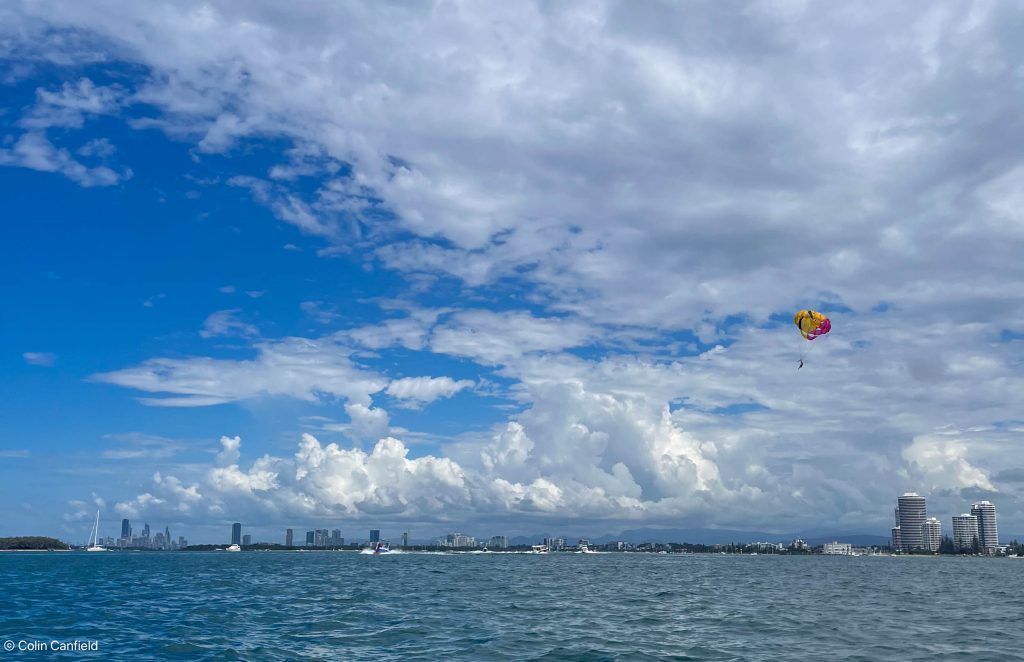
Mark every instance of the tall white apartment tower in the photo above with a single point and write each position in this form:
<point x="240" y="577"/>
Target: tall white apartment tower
<point x="965" y="532"/>
<point x="988" y="532"/>
<point x="931" y="533"/>
<point x="912" y="514"/>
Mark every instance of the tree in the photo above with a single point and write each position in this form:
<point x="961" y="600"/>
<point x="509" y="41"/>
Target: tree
<point x="946" y="546"/>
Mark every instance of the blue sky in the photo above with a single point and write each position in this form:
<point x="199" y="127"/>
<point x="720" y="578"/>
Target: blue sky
<point x="506" y="269"/>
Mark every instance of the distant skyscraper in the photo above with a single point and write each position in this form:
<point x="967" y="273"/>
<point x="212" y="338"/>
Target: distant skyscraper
<point x="167" y="536"/>
<point x="912" y="515"/>
<point x="336" y="537"/>
<point x="310" y="538"/>
<point x="931" y="533"/>
<point x="405" y="539"/>
<point x="289" y="538"/>
<point x="236" y="533"/>
<point x="145" y="531"/>
<point x="988" y="531"/>
<point x="126" y="529"/>
<point x="374" y="535"/>
<point x="247" y="539"/>
<point x="897" y="540"/>
<point x="965" y="532"/>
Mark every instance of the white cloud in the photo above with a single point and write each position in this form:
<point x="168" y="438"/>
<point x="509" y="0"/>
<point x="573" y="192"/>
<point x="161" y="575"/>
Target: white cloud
<point x="368" y="423"/>
<point x="69" y="107"/>
<point x="139" y="446"/>
<point x="33" y="150"/>
<point x="495" y="338"/>
<point x="614" y="185"/>
<point x="45" y="359"/>
<point x="226" y="323"/>
<point x="229" y="454"/>
<point x="423" y="390"/>
<point x="293" y="367"/>
<point x="942" y="459"/>
<point x="318" y="312"/>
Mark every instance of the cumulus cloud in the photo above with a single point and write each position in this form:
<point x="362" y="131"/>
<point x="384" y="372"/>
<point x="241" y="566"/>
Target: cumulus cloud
<point x="631" y="201"/>
<point x="942" y="458"/>
<point x="368" y="423"/>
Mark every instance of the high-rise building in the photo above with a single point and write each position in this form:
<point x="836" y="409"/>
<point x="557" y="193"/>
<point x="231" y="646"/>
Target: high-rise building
<point x="247" y="539"/>
<point x="126" y="529"/>
<point x="167" y="537"/>
<point x="911" y="514"/>
<point x="374" y="535"/>
<point x="965" y="532"/>
<point x="988" y="531"/>
<point x="405" y="539"/>
<point x="289" y="537"/>
<point x="336" y="537"/>
<point x="458" y="540"/>
<point x="931" y="534"/>
<point x="897" y="539"/>
<point x="498" y="542"/>
<point x="145" y="531"/>
<point x="310" y="538"/>
<point x="236" y="533"/>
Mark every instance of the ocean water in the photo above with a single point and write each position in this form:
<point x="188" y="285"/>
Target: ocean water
<point x="347" y="606"/>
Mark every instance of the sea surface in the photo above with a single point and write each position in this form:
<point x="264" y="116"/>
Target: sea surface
<point x="409" y="606"/>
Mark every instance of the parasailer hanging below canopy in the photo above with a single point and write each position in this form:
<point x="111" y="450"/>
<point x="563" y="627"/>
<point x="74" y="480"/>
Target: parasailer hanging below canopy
<point x="812" y="325"/>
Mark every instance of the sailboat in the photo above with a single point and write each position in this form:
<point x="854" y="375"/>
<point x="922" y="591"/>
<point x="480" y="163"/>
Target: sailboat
<point x="94" y="539"/>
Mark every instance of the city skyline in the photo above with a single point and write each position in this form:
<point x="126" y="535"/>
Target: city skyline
<point x="981" y="523"/>
<point x="915" y="531"/>
<point x="519" y="267"/>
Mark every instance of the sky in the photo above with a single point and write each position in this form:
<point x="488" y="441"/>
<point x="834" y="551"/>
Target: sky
<point x="508" y="268"/>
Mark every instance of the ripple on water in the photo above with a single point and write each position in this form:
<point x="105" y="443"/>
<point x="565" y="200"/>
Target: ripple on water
<point x="281" y="606"/>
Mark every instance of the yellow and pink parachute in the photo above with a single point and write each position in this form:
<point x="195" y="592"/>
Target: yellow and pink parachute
<point x="812" y="324"/>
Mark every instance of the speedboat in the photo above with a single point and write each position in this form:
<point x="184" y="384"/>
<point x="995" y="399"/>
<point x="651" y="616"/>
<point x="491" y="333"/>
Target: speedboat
<point x="377" y="549"/>
<point x="584" y="549"/>
<point x="540" y="549"/>
<point x="233" y="548"/>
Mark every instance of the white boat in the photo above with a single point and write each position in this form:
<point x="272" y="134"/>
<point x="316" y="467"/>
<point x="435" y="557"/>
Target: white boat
<point x="94" y="538"/>
<point x="540" y="549"/>
<point x="232" y="548"/>
<point x="584" y="549"/>
<point x="377" y="549"/>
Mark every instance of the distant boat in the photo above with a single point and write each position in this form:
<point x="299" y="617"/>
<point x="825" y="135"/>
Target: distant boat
<point x="94" y="537"/>
<point x="584" y="549"/>
<point x="540" y="549"/>
<point x="377" y="549"/>
<point x="232" y="548"/>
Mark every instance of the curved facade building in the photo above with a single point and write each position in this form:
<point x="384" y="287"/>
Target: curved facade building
<point x="912" y="514"/>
